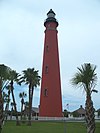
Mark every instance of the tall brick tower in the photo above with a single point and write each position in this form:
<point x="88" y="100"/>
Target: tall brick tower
<point x="50" y="97"/>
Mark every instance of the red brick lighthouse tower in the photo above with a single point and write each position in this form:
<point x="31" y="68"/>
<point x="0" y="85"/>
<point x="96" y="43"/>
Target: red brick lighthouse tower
<point x="50" y="97"/>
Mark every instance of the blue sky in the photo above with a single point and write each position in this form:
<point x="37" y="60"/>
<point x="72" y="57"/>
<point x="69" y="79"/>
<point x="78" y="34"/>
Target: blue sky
<point x="22" y="39"/>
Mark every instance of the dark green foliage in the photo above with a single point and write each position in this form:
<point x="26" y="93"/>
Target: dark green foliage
<point x="32" y="79"/>
<point x="65" y="113"/>
<point x="4" y="80"/>
<point x="75" y="114"/>
<point x="22" y="96"/>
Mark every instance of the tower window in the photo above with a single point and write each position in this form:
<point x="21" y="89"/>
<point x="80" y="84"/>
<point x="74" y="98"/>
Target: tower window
<point x="48" y="25"/>
<point x="45" y="92"/>
<point x="47" y="48"/>
<point x="46" y="69"/>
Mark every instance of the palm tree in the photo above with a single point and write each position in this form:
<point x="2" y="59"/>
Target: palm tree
<point x="1" y="106"/>
<point x="26" y="108"/>
<point x="4" y="97"/>
<point x="26" y="104"/>
<point x="87" y="78"/>
<point x="4" y="70"/>
<point x="12" y="105"/>
<point x="22" y="96"/>
<point x="32" y="79"/>
<point x="14" y="78"/>
<point x="7" y="98"/>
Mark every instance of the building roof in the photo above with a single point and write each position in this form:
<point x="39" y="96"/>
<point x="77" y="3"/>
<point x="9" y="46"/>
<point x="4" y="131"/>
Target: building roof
<point x="35" y="109"/>
<point x="81" y="110"/>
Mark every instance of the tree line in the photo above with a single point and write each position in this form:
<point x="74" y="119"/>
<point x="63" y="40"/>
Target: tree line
<point x="85" y="78"/>
<point x="8" y="78"/>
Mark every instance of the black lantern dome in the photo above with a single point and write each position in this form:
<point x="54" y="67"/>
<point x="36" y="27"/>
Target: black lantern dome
<point x="51" y="17"/>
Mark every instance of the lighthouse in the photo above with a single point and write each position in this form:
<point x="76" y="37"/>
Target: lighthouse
<point x="50" y="96"/>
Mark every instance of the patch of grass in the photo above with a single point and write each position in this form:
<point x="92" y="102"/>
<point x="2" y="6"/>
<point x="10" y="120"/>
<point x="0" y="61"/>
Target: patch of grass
<point x="47" y="127"/>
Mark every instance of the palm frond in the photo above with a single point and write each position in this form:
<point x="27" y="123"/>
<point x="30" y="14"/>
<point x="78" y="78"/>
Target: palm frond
<point x="30" y="76"/>
<point x="96" y="91"/>
<point x="85" y="77"/>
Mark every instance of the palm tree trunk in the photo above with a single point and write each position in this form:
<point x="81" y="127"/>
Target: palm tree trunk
<point x="7" y="105"/>
<point x="22" y="103"/>
<point x="17" y="121"/>
<point x="11" y="113"/>
<point x="32" y="92"/>
<point x="6" y="108"/>
<point x="21" y="109"/>
<point x="90" y="117"/>
<point x="29" y="118"/>
<point x="1" y="107"/>
<point x="30" y="103"/>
